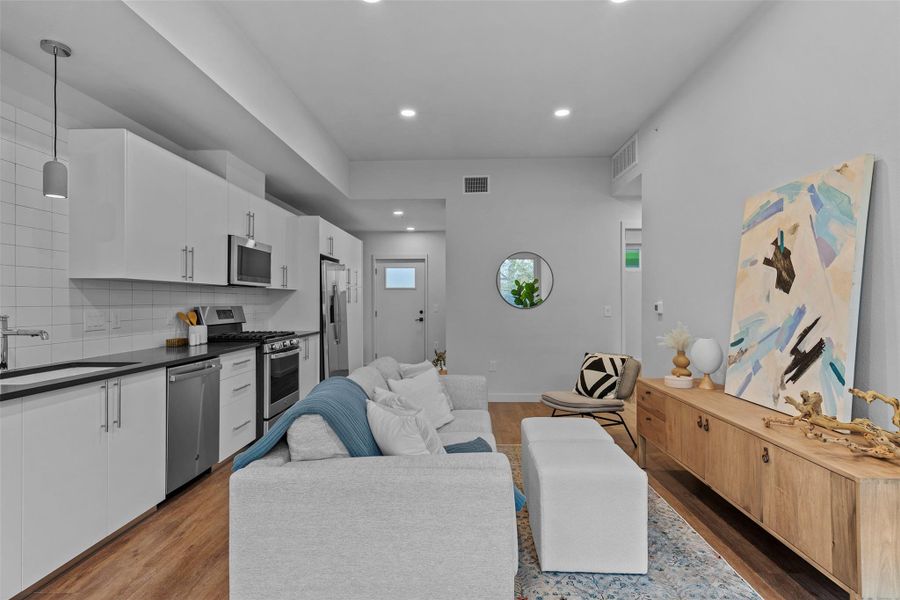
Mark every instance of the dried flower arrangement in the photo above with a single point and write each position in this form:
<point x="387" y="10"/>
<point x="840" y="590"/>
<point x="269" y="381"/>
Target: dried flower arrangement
<point x="678" y="340"/>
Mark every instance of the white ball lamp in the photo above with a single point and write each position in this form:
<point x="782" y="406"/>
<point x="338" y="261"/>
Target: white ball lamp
<point x="706" y="355"/>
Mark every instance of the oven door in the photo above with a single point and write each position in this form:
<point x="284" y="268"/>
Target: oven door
<point x="281" y="382"/>
<point x="249" y="262"/>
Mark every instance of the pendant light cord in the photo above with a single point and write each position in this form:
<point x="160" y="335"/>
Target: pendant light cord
<point x="55" y="52"/>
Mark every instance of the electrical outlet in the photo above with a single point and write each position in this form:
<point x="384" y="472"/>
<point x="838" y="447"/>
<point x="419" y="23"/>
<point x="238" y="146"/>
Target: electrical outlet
<point x="607" y="311"/>
<point x="115" y="319"/>
<point x="94" y="320"/>
<point x="492" y="366"/>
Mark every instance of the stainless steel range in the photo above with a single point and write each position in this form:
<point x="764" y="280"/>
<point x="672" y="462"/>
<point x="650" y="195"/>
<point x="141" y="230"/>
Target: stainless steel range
<point x="277" y="360"/>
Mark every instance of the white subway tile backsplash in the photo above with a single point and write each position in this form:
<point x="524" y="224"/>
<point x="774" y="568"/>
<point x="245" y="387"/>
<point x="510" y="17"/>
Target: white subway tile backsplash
<point x="33" y="277"/>
<point x="60" y="260"/>
<point x="33" y="316"/>
<point x="7" y="254"/>
<point x="33" y="257"/>
<point x="25" y="136"/>
<point x="120" y="298"/>
<point x="7" y="171"/>
<point x="7" y="297"/>
<point x="7" y="111"/>
<point x="8" y="209"/>
<point x="63" y="351"/>
<point x="32" y="178"/>
<point x="33" y="238"/>
<point x="60" y="223"/>
<point x="32" y="357"/>
<point x="34" y="296"/>
<point x="7" y="192"/>
<point x="67" y="297"/>
<point x="28" y="157"/>
<point x="7" y="233"/>
<point x="27" y="119"/>
<point x="8" y="129"/>
<point x="60" y="278"/>
<point x="120" y="344"/>
<point x="32" y="198"/>
<point x="142" y="296"/>
<point x="30" y="217"/>
<point x="67" y="315"/>
<point x="96" y="297"/>
<point x="96" y="347"/>
<point x="8" y="150"/>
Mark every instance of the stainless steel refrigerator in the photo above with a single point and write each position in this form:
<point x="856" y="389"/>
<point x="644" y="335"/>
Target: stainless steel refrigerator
<point x="334" y="320"/>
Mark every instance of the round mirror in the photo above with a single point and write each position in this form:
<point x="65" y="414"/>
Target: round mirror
<point x="524" y="280"/>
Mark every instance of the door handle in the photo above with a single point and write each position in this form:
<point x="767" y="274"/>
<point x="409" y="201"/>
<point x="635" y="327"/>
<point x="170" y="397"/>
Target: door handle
<point x="700" y="422"/>
<point x="192" y="374"/>
<point x="765" y="455"/>
<point x="420" y="319"/>
<point x="706" y="425"/>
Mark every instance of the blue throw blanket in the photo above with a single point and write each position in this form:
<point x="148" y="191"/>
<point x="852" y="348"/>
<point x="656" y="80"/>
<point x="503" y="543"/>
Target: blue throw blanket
<point x="338" y="400"/>
<point x="481" y="445"/>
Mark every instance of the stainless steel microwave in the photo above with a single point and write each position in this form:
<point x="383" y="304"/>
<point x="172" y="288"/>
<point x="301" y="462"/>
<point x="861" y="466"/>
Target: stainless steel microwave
<point x="249" y="262"/>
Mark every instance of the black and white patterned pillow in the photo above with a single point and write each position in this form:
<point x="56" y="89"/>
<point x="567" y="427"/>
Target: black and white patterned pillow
<point x="599" y="376"/>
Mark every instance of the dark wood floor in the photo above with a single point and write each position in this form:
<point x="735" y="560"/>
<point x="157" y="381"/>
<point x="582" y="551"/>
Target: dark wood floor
<point x="181" y="551"/>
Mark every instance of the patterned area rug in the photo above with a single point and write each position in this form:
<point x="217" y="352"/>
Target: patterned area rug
<point x="682" y="564"/>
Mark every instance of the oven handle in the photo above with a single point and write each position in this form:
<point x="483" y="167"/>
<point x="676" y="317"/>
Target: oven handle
<point x="285" y="354"/>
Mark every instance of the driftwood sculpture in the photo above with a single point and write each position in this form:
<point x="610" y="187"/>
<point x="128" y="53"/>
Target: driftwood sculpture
<point x="876" y="441"/>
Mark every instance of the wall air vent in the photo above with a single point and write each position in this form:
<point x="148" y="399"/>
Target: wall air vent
<point x="625" y="158"/>
<point x="476" y="185"/>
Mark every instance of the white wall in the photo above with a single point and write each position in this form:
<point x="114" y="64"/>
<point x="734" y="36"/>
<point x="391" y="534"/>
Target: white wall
<point x="401" y="245"/>
<point x="559" y="208"/>
<point x="35" y="290"/>
<point x="803" y="86"/>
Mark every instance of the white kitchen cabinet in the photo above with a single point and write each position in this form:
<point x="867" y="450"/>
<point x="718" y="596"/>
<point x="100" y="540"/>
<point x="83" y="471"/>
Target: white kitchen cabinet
<point x="137" y="446"/>
<point x="86" y="468"/>
<point x="262" y="226"/>
<point x="155" y="243"/>
<point x="140" y="212"/>
<point x="237" y="402"/>
<point x="328" y="239"/>
<point x="309" y="364"/>
<point x="10" y="497"/>
<point x="64" y="476"/>
<point x="240" y="216"/>
<point x="206" y="224"/>
<point x="283" y="229"/>
<point x="291" y="250"/>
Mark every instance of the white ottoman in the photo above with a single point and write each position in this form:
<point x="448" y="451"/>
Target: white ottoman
<point x="542" y="429"/>
<point x="587" y="504"/>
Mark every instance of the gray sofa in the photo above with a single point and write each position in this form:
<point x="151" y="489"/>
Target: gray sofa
<point x="386" y="527"/>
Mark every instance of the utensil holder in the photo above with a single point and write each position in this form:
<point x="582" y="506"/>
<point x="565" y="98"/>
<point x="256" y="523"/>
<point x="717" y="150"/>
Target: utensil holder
<point x="197" y="335"/>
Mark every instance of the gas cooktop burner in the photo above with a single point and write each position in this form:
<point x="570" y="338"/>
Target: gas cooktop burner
<point x="241" y="336"/>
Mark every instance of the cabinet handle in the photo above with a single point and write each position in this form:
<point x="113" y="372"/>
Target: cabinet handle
<point x="249" y="227"/>
<point x="244" y="424"/>
<point x="706" y="425"/>
<point x="192" y="263"/>
<point x="241" y="362"/>
<point x="184" y="255"/>
<point x="700" y="422"/>
<point x="253" y="224"/>
<point x="765" y="455"/>
<point x="647" y="419"/>
<point x="285" y="275"/>
<point x="243" y="387"/>
<point x="306" y="348"/>
<point x="104" y="425"/>
<point x="118" y="417"/>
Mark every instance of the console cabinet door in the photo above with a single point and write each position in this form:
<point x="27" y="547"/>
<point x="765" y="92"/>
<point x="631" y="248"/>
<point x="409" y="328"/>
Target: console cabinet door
<point x="693" y="439"/>
<point x="64" y="477"/>
<point x="797" y="503"/>
<point x="137" y="445"/>
<point x="734" y="466"/>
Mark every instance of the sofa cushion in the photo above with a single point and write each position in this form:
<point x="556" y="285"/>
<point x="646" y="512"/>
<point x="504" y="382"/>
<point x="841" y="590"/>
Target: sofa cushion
<point x="408" y="370"/>
<point x="399" y="405"/>
<point x="310" y="438"/>
<point x="476" y="421"/>
<point x="396" y="434"/>
<point x="368" y="379"/>
<point x="458" y="437"/>
<point x="425" y="391"/>
<point x="387" y="366"/>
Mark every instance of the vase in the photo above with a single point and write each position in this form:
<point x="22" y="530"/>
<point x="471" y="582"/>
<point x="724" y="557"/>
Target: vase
<point x="442" y="371"/>
<point x="681" y="362"/>
<point x="706" y="355"/>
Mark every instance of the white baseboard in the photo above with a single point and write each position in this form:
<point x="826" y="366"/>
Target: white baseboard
<point x="514" y="397"/>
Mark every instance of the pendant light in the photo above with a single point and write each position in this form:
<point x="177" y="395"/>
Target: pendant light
<point x="56" y="177"/>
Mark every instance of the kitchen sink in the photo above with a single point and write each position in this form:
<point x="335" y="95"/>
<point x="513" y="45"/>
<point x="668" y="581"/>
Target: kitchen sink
<point x="60" y="372"/>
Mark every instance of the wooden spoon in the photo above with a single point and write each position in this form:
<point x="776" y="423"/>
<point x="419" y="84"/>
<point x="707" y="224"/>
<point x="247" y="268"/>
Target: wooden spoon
<point x="193" y="317"/>
<point x="183" y="317"/>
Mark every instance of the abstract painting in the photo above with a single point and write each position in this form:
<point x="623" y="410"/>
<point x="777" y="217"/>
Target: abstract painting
<point x="796" y="301"/>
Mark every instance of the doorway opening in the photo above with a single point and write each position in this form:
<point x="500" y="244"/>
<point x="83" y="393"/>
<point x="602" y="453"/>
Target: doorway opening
<point x="630" y="260"/>
<point x="400" y="296"/>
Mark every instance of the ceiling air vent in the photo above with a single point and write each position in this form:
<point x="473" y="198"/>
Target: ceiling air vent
<point x="625" y="157"/>
<point x="476" y="185"/>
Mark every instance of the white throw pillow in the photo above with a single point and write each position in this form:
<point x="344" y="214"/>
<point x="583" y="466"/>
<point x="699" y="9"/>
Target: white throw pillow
<point x="397" y="404"/>
<point x="426" y="392"/>
<point x="310" y="438"/>
<point x="408" y="370"/>
<point x="396" y="435"/>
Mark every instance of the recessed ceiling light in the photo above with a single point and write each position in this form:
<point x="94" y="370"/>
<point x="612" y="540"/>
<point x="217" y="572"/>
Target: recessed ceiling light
<point x="613" y="1"/>
<point x="410" y="228"/>
<point x="377" y="1"/>
<point x="409" y="113"/>
<point x="398" y="213"/>
<point x="562" y="112"/>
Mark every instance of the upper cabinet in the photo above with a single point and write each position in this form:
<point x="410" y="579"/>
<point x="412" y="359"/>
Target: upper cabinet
<point x="141" y="212"/>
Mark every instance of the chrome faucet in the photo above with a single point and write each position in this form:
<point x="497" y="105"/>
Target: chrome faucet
<point x="5" y="333"/>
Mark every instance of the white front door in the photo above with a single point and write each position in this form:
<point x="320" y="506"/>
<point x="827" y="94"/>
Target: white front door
<point x="400" y="309"/>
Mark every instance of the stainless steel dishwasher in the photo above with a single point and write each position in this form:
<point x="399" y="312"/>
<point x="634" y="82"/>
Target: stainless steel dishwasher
<point x="192" y="421"/>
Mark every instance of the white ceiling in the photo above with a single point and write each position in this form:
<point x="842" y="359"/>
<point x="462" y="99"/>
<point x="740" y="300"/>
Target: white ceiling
<point x="485" y="76"/>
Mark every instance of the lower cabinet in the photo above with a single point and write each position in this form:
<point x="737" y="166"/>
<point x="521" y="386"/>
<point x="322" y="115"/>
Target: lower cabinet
<point x="734" y="466"/>
<point x="93" y="459"/>
<point x="309" y="364"/>
<point x="237" y="402"/>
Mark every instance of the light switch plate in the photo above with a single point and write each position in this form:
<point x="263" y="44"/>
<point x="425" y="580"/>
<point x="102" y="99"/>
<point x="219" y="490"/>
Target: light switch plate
<point x="607" y="311"/>
<point x="94" y="319"/>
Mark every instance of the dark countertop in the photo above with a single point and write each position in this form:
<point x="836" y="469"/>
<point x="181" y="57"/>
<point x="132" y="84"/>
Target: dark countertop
<point x="131" y="362"/>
